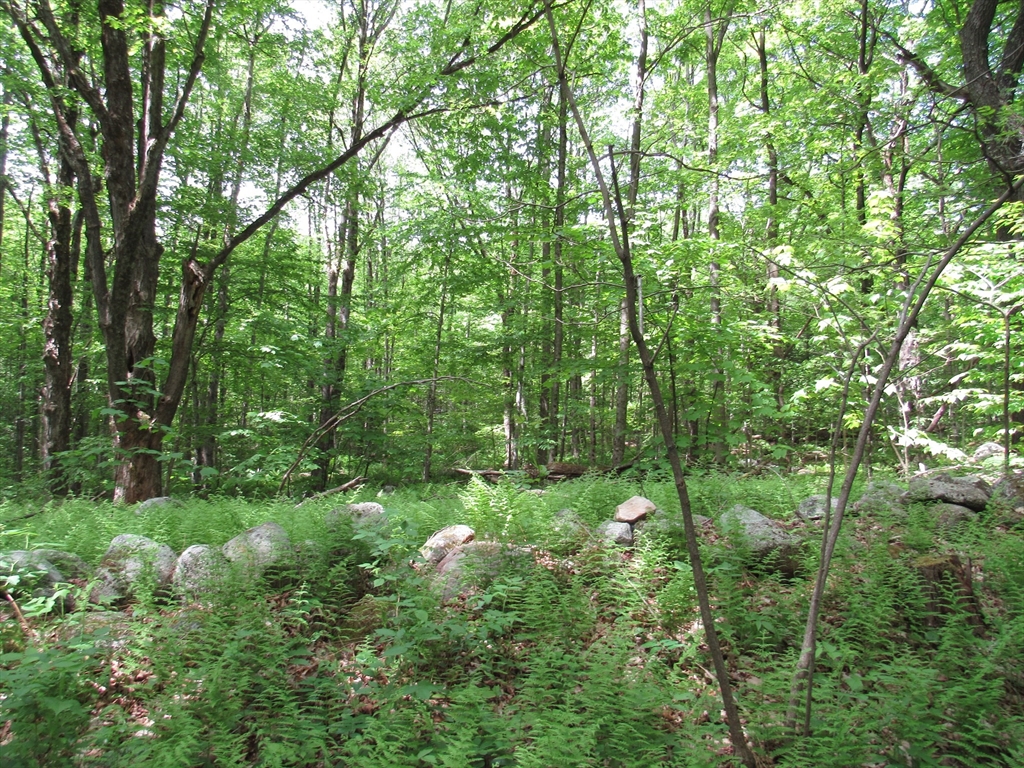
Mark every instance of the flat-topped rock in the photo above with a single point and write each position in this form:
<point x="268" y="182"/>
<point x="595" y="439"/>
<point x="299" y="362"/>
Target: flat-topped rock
<point x="968" y="491"/>
<point x="633" y="510"/>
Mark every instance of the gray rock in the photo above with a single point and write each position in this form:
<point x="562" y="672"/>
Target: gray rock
<point x="880" y="497"/>
<point x="813" y="507"/>
<point x="259" y="548"/>
<point x="157" y="501"/>
<point x="130" y="564"/>
<point x="71" y="565"/>
<point x="949" y="516"/>
<point x="444" y="541"/>
<point x="201" y="568"/>
<point x="968" y="491"/>
<point x="363" y="512"/>
<point x="37" y="575"/>
<point x="634" y="509"/>
<point x="987" y="451"/>
<point x="31" y="565"/>
<point x="568" y="525"/>
<point x="614" y="532"/>
<point x="764" y="537"/>
<point x="478" y="563"/>
<point x="668" y="525"/>
<point x="1008" y="498"/>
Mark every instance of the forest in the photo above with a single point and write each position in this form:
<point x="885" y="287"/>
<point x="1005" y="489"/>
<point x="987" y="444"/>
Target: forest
<point x="483" y="263"/>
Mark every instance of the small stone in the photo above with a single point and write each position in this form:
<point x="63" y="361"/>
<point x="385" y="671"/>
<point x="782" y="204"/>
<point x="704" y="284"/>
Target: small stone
<point x="634" y="509"/>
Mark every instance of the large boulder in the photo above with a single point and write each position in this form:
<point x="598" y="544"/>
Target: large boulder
<point x="1008" y="498"/>
<point x="968" y="491"/>
<point x="71" y="565"/>
<point x="568" y="527"/>
<point x="132" y="564"/>
<point x="259" y="548"/>
<point x="766" y="539"/>
<point x="201" y="568"/>
<point x="813" y="508"/>
<point x="634" y="510"/>
<point x="444" y="541"/>
<point x="478" y="563"/>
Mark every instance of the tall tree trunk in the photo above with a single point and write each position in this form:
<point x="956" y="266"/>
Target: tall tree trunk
<point x="21" y="419"/>
<point x="431" y="404"/>
<point x="57" y="334"/>
<point x="714" y="33"/>
<point x="206" y="454"/>
<point x="5" y="123"/>
<point x="621" y="389"/>
<point x="779" y="350"/>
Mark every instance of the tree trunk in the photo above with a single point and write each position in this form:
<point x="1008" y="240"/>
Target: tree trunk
<point x="619" y="231"/>
<point x="621" y="389"/>
<point x="57" y="332"/>
<point x="714" y="32"/>
<point x="431" y="404"/>
<point x="5" y="123"/>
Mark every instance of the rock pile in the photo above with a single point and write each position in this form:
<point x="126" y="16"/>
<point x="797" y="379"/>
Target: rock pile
<point x="134" y="565"/>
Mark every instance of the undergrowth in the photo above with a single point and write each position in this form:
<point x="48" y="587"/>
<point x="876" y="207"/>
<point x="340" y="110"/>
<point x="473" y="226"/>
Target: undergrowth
<point x="582" y="656"/>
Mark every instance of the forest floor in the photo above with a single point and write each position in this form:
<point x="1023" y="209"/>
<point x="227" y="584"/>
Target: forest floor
<point x="586" y="655"/>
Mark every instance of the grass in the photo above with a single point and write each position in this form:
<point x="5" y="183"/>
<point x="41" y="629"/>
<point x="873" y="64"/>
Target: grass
<point x="589" y="657"/>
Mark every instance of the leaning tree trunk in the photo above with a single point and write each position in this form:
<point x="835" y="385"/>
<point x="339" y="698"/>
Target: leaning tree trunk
<point x="618" y="228"/>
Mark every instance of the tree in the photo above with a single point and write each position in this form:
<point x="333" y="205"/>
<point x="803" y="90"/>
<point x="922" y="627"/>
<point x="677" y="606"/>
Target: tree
<point x="135" y="134"/>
